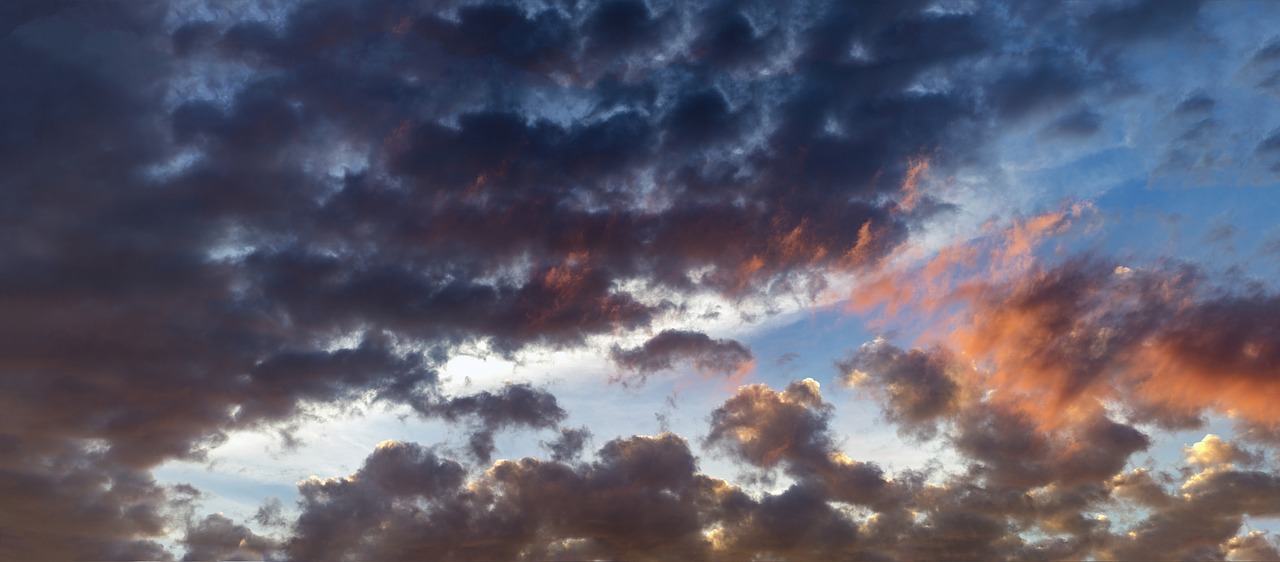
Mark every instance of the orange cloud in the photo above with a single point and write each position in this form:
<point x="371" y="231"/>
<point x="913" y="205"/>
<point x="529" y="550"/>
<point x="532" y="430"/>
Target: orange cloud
<point x="1061" y="340"/>
<point x="911" y="193"/>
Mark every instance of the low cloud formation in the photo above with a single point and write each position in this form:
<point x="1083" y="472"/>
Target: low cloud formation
<point x="914" y="386"/>
<point x="217" y="537"/>
<point x="672" y="348"/>
<point x="1213" y="451"/>
<point x="1202" y="521"/>
<point x="69" y="503"/>
<point x="1166" y="340"/>
<point x="215" y="217"/>
<point x="644" y="498"/>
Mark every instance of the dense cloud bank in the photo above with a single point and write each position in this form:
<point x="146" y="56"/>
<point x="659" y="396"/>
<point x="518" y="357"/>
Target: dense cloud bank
<point x="644" y="498"/>
<point x="217" y="215"/>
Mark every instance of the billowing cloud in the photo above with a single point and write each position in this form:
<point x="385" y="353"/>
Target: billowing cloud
<point x="216" y="217"/>
<point x="1164" y="340"/>
<point x="1204" y="519"/>
<point x="917" y="389"/>
<point x="1214" y="451"/>
<point x="68" y="503"/>
<point x="641" y="498"/>
<point x="217" y="537"/>
<point x="791" y="429"/>
<point x="672" y="348"/>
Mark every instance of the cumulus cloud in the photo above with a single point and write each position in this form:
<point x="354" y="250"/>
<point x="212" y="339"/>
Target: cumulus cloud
<point x="671" y="348"/>
<point x="640" y="498"/>
<point x="643" y="497"/>
<point x="70" y="502"/>
<point x="1204" y="520"/>
<point x="1214" y="451"/>
<point x="215" y="217"/>
<point x="217" y="537"/>
<point x="791" y="429"/>
<point x="916" y="387"/>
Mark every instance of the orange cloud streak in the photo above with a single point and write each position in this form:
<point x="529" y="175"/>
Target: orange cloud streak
<point x="1059" y="341"/>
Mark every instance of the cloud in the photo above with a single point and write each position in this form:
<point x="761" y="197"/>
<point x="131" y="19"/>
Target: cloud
<point x="1082" y="123"/>
<point x="915" y="386"/>
<point x="72" y="502"/>
<point x="791" y="429"/>
<point x="1165" y="341"/>
<point x="338" y="514"/>
<point x="1196" y="103"/>
<point x="1205" y="519"/>
<point x="216" y="217"/>
<point x="643" y="497"/>
<point x="1254" y="546"/>
<point x="218" y="538"/>
<point x="671" y="348"/>
<point x="1012" y="451"/>
<point x="516" y="405"/>
<point x="1143" y="20"/>
<point x="1020" y="92"/>
<point x="765" y="427"/>
<point x="638" y="499"/>
<point x="1268" y="148"/>
<point x="1213" y="451"/>
<point x="569" y="444"/>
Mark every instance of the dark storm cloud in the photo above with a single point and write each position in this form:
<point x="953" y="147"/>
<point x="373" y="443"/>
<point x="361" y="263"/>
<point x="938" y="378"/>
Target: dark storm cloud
<point x="1045" y="346"/>
<point x="618" y="26"/>
<point x="209" y="224"/>
<point x="527" y="39"/>
<point x="515" y="404"/>
<point x="671" y="348"/>
<point x="765" y="427"/>
<point x="726" y="36"/>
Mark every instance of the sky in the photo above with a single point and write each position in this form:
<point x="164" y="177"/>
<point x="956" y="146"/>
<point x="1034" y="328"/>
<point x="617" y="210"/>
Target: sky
<point x="639" y="280"/>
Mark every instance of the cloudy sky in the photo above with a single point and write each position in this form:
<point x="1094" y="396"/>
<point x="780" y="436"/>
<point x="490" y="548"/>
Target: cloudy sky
<point x="639" y="280"/>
